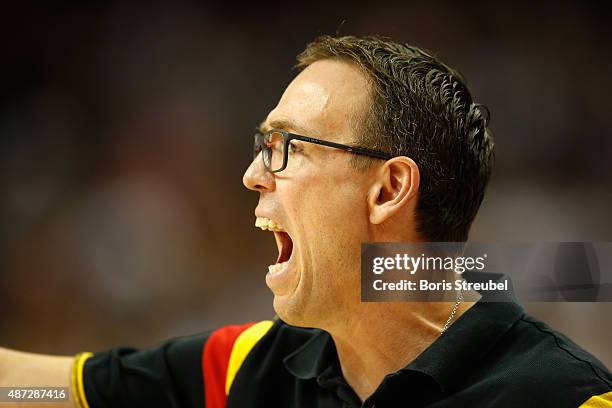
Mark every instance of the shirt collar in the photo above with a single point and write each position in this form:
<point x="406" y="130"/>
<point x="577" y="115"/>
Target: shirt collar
<point x="313" y="357"/>
<point x="450" y="358"/>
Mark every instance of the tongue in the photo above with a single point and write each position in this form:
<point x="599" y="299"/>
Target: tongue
<point x="286" y="247"/>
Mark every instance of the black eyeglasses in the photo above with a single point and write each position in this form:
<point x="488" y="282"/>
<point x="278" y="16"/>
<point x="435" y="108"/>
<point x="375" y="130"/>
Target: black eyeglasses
<point x="275" y="144"/>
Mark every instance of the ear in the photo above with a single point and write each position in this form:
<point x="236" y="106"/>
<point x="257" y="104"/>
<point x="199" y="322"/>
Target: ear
<point x="396" y="185"/>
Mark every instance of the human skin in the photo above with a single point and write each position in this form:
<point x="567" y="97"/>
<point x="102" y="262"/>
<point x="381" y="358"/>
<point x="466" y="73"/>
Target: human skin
<point x="319" y="199"/>
<point x="328" y="207"/>
<point x="20" y="370"/>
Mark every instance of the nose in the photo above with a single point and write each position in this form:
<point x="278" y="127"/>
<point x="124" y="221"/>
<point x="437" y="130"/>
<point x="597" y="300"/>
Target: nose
<point x="257" y="178"/>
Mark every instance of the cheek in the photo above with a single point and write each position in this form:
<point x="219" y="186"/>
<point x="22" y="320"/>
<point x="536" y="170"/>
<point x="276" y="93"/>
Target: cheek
<point x="328" y="207"/>
<point x="329" y="214"/>
<point x="333" y="218"/>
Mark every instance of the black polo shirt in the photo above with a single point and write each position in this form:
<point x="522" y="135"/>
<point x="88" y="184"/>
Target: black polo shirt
<point x="494" y="355"/>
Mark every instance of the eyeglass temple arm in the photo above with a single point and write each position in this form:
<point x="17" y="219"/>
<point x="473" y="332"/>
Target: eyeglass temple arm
<point x="352" y="149"/>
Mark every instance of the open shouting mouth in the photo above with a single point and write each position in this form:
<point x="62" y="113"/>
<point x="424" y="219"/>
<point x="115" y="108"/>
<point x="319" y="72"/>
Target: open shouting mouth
<point x="284" y="244"/>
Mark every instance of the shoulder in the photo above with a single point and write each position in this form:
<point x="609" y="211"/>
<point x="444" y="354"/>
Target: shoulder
<point x="547" y="368"/>
<point x="267" y="342"/>
<point x="251" y="350"/>
<point x="559" y="349"/>
<point x="244" y="340"/>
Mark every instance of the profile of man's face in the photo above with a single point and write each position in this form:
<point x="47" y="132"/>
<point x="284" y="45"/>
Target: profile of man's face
<point x="319" y="199"/>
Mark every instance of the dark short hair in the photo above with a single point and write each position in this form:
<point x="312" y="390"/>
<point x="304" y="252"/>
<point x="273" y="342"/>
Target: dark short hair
<point x="420" y="108"/>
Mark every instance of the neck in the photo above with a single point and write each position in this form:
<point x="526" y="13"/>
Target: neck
<point x="381" y="338"/>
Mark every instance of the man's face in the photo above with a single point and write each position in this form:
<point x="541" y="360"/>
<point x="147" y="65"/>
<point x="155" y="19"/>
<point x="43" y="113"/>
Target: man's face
<point x="320" y="200"/>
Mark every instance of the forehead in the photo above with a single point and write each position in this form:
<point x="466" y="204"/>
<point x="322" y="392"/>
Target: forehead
<point x="322" y="101"/>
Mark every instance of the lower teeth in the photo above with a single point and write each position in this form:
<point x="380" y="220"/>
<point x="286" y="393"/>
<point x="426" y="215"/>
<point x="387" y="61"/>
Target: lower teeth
<point x="276" y="267"/>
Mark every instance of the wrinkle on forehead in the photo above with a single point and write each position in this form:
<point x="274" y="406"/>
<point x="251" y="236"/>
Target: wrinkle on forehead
<point x="324" y="98"/>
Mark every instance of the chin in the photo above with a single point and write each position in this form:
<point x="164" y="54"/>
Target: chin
<point x="291" y="312"/>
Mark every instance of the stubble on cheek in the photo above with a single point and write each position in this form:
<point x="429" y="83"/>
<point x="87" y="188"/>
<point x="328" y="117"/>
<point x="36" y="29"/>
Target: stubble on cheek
<point x="324" y="211"/>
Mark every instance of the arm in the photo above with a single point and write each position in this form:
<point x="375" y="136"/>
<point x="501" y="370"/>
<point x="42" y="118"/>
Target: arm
<point x="19" y="369"/>
<point x="167" y="375"/>
<point x="171" y="374"/>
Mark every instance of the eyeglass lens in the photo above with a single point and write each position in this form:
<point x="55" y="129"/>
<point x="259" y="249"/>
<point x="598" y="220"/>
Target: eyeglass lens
<point x="271" y="145"/>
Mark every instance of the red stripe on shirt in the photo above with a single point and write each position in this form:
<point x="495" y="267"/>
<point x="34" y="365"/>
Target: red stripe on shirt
<point x="215" y="359"/>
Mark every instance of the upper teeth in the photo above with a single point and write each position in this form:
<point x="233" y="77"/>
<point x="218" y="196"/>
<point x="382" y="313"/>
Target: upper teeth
<point x="268" y="224"/>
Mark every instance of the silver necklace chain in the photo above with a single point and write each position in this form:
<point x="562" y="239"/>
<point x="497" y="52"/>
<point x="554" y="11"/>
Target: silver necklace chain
<point x="453" y="311"/>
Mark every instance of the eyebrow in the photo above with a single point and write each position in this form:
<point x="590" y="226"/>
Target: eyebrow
<point x="284" y="124"/>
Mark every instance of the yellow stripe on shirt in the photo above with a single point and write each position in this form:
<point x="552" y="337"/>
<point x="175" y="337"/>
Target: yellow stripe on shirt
<point x="78" y="388"/>
<point x="242" y="346"/>
<point x="599" y="401"/>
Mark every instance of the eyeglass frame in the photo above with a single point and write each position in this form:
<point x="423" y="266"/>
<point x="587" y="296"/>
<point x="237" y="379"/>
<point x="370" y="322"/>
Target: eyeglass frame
<point x="288" y="137"/>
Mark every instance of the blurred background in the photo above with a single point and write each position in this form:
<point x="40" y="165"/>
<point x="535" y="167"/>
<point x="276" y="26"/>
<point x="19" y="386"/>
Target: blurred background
<point x="125" y="130"/>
